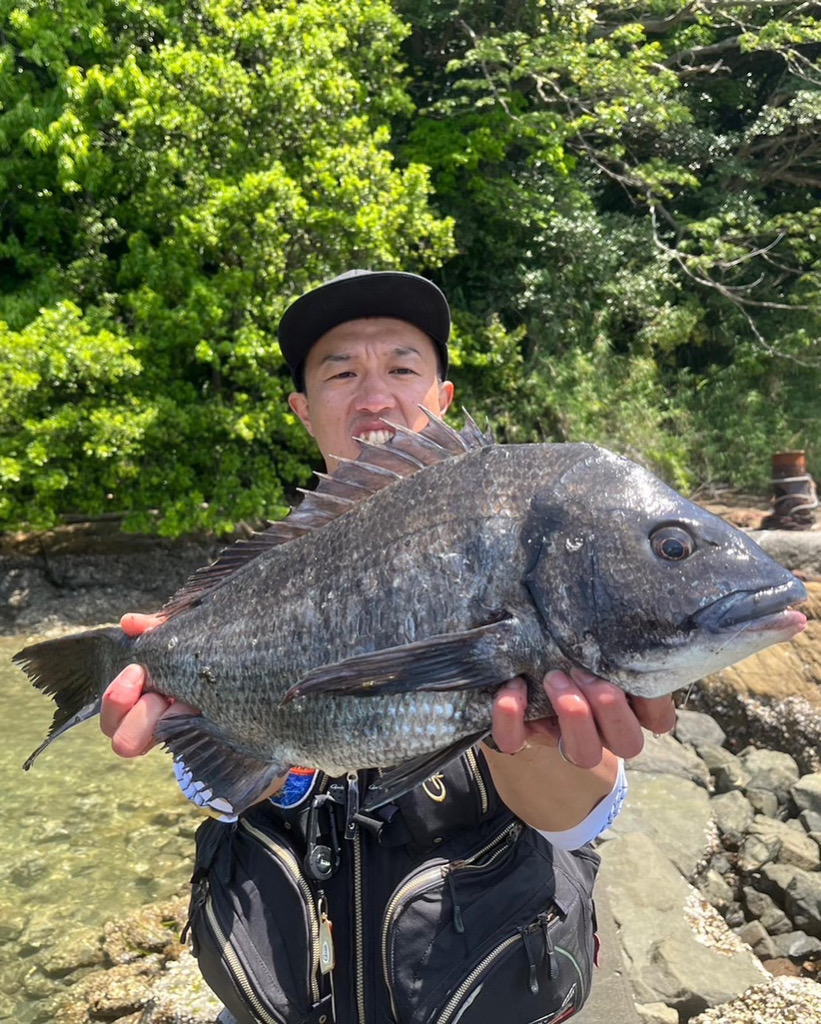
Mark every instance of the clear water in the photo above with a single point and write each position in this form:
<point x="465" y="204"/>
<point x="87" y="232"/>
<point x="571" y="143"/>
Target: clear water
<point x="85" y="837"/>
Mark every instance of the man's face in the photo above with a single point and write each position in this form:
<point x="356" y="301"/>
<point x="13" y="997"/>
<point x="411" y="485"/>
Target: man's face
<point x="362" y="371"/>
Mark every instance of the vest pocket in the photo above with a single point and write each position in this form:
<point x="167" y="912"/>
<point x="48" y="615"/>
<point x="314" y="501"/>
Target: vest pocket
<point x="503" y="935"/>
<point x="254" y="926"/>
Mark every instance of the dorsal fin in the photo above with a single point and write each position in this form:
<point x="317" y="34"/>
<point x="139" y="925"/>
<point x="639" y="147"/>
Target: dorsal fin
<point x="353" y="481"/>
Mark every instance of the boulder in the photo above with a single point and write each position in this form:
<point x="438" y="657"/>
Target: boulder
<point x="657" y="805"/>
<point x="796" y="847"/>
<point x="656" y="1013"/>
<point x="757" y="938"/>
<point x="771" y="771"/>
<point x="796" y="945"/>
<point x="727" y="771"/>
<point x="733" y="815"/>
<point x="698" y="729"/>
<point x="663" y="755"/>
<point x="666" y="961"/>
<point x="806" y="793"/>
<point x="765" y="910"/>
<point x="802" y="901"/>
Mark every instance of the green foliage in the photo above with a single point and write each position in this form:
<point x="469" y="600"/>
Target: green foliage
<point x="635" y="188"/>
<point x="177" y="173"/>
<point x="619" y="198"/>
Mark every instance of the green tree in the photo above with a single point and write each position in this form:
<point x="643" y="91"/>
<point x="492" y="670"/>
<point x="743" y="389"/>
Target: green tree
<point x="635" y="184"/>
<point x="174" y="175"/>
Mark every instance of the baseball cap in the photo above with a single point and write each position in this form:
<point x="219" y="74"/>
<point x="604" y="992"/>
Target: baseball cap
<point x="363" y="293"/>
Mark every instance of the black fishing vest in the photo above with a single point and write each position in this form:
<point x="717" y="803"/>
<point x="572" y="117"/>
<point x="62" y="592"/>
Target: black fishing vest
<point x="443" y="907"/>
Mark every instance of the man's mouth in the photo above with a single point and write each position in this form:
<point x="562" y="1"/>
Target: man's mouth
<point x="375" y="436"/>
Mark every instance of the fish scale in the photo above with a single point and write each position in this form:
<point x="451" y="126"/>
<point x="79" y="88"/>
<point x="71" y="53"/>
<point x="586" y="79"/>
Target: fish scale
<point x="377" y="636"/>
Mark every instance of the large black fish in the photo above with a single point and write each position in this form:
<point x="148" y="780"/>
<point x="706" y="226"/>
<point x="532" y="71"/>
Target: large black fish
<point x="372" y="626"/>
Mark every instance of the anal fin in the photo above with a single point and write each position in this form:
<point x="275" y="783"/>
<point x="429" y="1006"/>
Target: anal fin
<point x="474" y="659"/>
<point x="236" y="779"/>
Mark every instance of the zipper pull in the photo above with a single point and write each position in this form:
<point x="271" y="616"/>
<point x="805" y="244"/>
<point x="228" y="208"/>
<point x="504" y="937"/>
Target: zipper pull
<point x="544" y="920"/>
<point x="534" y="970"/>
<point x="199" y="894"/>
<point x="327" y="953"/>
<point x="458" y="923"/>
<point x="351" y="805"/>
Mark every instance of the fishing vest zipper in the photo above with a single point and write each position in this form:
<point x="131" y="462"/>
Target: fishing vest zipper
<point x="352" y="834"/>
<point x="523" y="935"/>
<point x="509" y="834"/>
<point x="473" y="761"/>
<point x="236" y="968"/>
<point x="294" y="869"/>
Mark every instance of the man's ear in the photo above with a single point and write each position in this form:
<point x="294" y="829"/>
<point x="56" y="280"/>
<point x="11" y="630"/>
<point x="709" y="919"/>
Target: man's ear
<point x="298" y="401"/>
<point x="445" y="396"/>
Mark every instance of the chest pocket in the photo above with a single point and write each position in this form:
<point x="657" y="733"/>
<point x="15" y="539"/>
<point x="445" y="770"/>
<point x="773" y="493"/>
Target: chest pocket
<point x="254" y="925"/>
<point x="504" y="933"/>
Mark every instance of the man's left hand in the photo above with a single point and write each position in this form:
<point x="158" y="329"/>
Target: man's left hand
<point x="591" y="715"/>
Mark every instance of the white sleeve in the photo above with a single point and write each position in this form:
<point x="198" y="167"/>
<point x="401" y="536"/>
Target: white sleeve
<point x="600" y="818"/>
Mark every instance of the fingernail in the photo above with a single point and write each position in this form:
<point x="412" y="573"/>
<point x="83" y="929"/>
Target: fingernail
<point x="558" y="680"/>
<point x="582" y="676"/>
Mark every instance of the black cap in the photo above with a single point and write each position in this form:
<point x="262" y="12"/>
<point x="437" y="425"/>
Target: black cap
<point x="363" y="293"/>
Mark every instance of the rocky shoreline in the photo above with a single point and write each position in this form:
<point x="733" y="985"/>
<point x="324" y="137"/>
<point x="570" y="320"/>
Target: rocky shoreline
<point x="712" y="872"/>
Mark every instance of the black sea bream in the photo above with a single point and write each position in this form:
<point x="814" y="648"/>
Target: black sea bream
<point x="372" y="626"/>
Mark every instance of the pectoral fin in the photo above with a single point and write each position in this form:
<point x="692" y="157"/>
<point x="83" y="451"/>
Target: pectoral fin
<point x="222" y="776"/>
<point x="477" y="658"/>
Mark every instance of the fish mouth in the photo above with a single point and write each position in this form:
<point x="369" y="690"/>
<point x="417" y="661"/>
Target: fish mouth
<point x="756" y="609"/>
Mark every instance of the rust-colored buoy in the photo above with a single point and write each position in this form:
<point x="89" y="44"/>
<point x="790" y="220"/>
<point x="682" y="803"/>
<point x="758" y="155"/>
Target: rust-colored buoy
<point x="795" y="499"/>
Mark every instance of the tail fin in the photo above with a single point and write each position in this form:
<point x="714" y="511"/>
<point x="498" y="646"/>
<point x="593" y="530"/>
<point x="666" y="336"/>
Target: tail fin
<point x="75" y="670"/>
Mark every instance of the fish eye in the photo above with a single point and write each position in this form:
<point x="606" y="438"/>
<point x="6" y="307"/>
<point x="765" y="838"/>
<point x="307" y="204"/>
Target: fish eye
<point x="672" y="543"/>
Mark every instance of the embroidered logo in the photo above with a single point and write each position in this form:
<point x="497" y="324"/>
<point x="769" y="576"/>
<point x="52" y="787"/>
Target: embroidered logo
<point x="435" y="788"/>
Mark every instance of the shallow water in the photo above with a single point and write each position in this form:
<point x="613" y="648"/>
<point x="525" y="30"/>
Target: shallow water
<point x="86" y="837"/>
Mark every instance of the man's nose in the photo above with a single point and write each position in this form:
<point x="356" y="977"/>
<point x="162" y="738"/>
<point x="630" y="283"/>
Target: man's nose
<point x="374" y="395"/>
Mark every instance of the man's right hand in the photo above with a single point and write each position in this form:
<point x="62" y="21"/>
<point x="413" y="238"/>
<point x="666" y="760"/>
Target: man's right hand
<point x="128" y="716"/>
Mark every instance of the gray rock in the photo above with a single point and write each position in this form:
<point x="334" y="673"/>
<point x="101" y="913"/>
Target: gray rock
<point x="763" y="908"/>
<point x="774" y="880"/>
<point x="755" y="935"/>
<point x="665" y="960"/>
<point x="663" y="755"/>
<point x="657" y="806"/>
<point x="802" y="901"/>
<point x="770" y="770"/>
<point x="756" y="851"/>
<point x="727" y="771"/>
<point x="721" y="863"/>
<point x="762" y="801"/>
<point x="180" y="996"/>
<point x="796" y="944"/>
<point x="807" y="795"/>
<point x="795" y="847"/>
<point x="733" y="815"/>
<point x="811" y="820"/>
<point x="656" y="1013"/>
<point x="698" y="729"/>
<point x="714" y="889"/>
<point x="733" y="915"/>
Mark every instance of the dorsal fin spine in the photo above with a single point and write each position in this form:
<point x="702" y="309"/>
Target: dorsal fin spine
<point x="360" y="478"/>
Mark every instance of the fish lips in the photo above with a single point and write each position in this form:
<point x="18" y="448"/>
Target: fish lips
<point x="767" y="609"/>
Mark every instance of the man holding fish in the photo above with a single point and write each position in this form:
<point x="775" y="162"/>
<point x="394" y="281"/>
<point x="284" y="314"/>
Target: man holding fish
<point x="366" y="351"/>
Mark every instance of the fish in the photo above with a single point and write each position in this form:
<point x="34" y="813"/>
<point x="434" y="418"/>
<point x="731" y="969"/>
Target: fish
<point x="371" y="627"/>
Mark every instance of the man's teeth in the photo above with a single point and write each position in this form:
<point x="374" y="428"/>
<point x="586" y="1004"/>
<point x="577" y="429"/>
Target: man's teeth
<point x="376" y="436"/>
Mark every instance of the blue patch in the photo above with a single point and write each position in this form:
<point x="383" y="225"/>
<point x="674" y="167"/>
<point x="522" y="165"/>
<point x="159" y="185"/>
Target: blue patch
<point x="297" y="787"/>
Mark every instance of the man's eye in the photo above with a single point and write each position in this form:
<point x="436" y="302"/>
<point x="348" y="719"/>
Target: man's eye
<point x="403" y="370"/>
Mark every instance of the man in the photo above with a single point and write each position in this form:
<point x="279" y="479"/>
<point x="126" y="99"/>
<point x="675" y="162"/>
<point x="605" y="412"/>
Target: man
<point x="367" y="348"/>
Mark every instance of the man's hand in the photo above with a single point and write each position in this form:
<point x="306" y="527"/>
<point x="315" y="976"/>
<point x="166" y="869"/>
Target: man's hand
<point x="128" y="716"/>
<point x="591" y="715"/>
